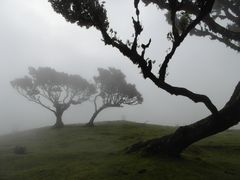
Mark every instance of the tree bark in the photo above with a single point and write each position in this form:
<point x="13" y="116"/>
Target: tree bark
<point x="174" y="144"/>
<point x="97" y="111"/>
<point x="59" y="122"/>
<point x="91" y="122"/>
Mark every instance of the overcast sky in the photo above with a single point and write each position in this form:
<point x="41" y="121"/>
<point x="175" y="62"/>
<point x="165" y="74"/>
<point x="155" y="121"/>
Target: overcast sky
<point x="32" y="34"/>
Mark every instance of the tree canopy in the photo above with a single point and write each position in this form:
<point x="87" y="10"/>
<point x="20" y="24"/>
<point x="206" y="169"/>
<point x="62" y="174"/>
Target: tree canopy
<point x="74" y="11"/>
<point x="53" y="90"/>
<point x="114" y="91"/>
<point x="218" y="19"/>
<point x="221" y="24"/>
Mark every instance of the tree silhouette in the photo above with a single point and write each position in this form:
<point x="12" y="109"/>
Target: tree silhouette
<point x="55" y="91"/>
<point x="114" y="91"/>
<point x="221" y="24"/>
<point x="186" y="17"/>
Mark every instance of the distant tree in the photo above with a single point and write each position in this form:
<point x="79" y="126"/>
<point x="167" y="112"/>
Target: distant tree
<point x="186" y="17"/>
<point x="114" y="91"/>
<point x="55" y="91"/>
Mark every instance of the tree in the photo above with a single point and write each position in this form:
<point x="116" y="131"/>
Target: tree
<point x="114" y="91"/>
<point x="221" y="24"/>
<point x="186" y="17"/>
<point x="55" y="91"/>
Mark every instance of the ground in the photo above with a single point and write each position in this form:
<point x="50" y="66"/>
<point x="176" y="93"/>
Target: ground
<point x="83" y="153"/>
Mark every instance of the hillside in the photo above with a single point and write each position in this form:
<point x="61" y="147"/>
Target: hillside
<point x="77" y="152"/>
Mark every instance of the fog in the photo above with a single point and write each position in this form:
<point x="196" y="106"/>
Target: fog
<point x="32" y="34"/>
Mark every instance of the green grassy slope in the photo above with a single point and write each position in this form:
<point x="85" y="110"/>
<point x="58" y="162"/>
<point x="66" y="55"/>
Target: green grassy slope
<point x="84" y="153"/>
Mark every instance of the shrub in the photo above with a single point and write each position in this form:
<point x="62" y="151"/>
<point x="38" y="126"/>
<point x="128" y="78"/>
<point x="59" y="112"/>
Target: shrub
<point x="20" y="150"/>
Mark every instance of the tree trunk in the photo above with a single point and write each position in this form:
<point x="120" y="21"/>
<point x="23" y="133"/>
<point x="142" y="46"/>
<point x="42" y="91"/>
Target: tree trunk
<point x="59" y="122"/>
<point x="174" y="144"/>
<point x="91" y="122"/>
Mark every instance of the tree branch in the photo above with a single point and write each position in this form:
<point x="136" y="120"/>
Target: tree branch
<point x="35" y="100"/>
<point x="235" y="96"/>
<point x="191" y="8"/>
<point x="205" y="10"/>
<point x="137" y="59"/>
<point x="95" y="101"/>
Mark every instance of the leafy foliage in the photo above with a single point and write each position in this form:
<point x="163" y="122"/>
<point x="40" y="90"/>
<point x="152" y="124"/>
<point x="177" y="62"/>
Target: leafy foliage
<point x="222" y="23"/>
<point x="85" y="13"/>
<point x="133" y="49"/>
<point x="114" y="89"/>
<point x="186" y="17"/>
<point x="53" y="90"/>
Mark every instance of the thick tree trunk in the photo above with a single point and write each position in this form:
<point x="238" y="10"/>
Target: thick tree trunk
<point x="174" y="144"/>
<point x="59" y="122"/>
<point x="91" y="122"/>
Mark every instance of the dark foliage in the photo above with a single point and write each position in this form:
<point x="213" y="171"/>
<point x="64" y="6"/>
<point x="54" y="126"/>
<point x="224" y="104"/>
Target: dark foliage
<point x="20" y="150"/>
<point x="222" y="23"/>
<point x="186" y="17"/>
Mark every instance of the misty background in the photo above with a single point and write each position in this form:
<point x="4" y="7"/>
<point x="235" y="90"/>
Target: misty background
<point x="32" y="34"/>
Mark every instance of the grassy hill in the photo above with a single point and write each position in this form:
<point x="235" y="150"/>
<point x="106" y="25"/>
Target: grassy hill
<point x="83" y="153"/>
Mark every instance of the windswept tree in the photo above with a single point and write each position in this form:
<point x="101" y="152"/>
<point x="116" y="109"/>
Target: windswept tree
<point x="218" y="19"/>
<point x="114" y="91"/>
<point x="55" y="91"/>
<point x="221" y="23"/>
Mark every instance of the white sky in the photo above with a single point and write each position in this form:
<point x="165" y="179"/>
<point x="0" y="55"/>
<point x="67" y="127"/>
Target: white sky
<point x="32" y="34"/>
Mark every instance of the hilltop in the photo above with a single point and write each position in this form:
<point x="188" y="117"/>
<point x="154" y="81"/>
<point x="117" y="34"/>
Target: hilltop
<point x="77" y="152"/>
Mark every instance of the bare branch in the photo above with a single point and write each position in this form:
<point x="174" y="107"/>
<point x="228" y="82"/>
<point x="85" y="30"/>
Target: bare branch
<point x="35" y="100"/>
<point x="136" y="58"/>
<point x="205" y="10"/>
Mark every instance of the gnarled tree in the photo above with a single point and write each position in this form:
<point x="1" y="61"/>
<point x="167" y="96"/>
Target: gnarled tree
<point x="114" y="91"/>
<point x="186" y="17"/>
<point x="221" y="24"/>
<point x="55" y="91"/>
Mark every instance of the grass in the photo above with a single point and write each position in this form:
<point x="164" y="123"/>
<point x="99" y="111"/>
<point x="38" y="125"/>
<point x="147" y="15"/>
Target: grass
<point x="82" y="153"/>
